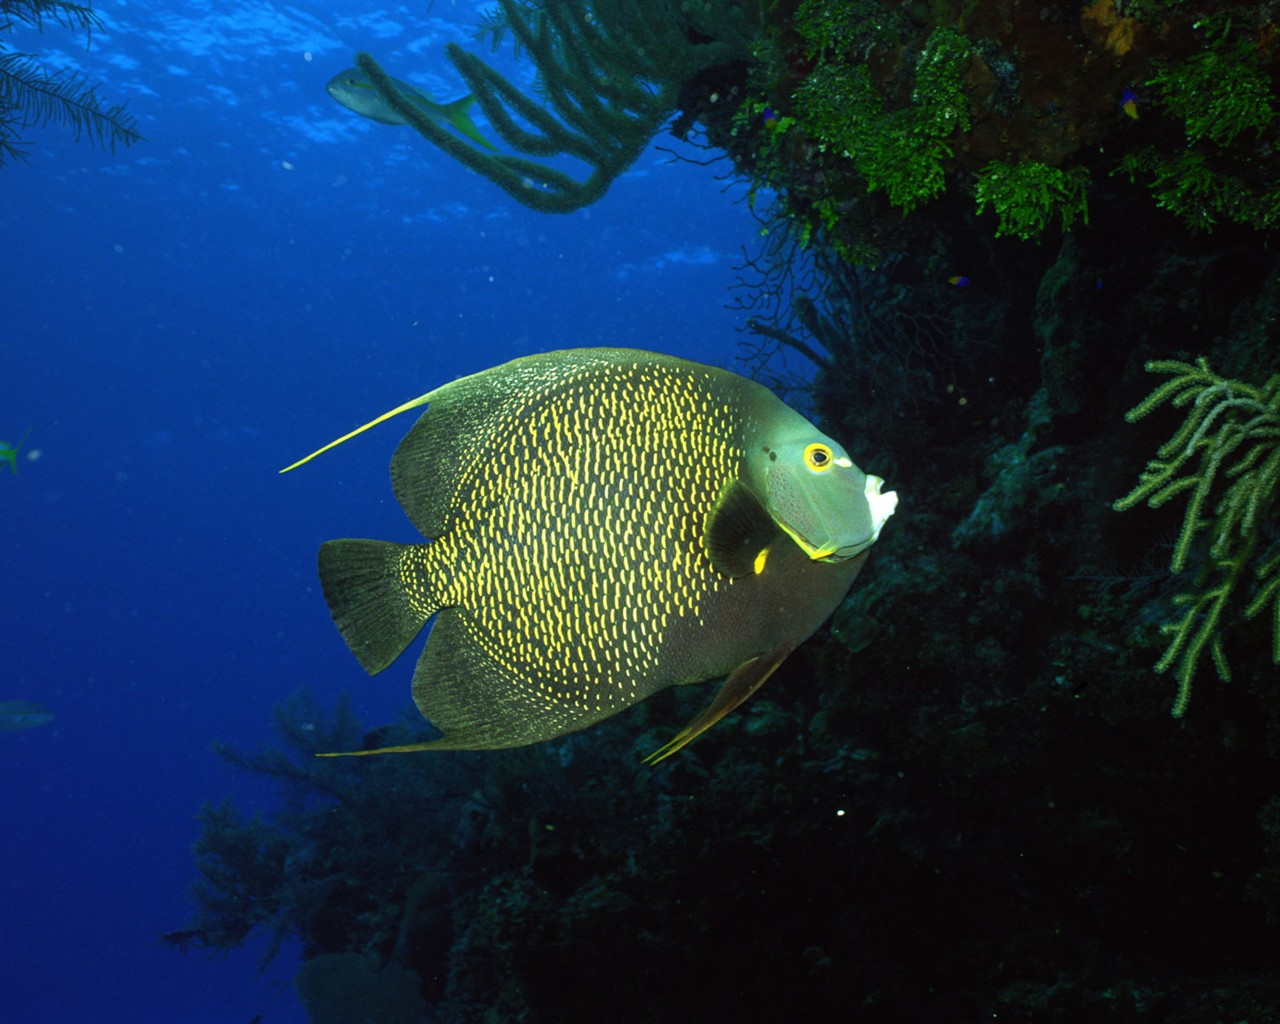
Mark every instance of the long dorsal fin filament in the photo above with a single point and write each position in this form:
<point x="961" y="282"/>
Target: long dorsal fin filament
<point x="415" y="403"/>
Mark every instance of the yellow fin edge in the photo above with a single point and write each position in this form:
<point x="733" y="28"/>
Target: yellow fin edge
<point x="742" y="682"/>
<point x="415" y="403"/>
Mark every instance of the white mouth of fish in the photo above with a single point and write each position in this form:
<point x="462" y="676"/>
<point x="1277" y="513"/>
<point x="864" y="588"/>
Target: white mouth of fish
<point x="879" y="506"/>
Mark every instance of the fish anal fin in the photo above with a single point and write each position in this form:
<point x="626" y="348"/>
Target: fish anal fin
<point x="408" y="748"/>
<point x="374" y="611"/>
<point x="742" y="682"/>
<point x="738" y="529"/>
<point x="478" y="703"/>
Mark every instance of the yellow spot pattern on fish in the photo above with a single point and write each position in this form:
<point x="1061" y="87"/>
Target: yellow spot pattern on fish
<point x="570" y="560"/>
<point x="601" y="524"/>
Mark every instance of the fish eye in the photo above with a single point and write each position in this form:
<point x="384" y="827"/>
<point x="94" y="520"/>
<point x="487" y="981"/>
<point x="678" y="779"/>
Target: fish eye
<point x="819" y="458"/>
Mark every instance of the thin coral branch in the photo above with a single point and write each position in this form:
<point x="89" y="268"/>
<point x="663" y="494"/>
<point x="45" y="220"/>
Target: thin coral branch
<point x="1225" y="458"/>
<point x="609" y="73"/>
<point x="31" y="96"/>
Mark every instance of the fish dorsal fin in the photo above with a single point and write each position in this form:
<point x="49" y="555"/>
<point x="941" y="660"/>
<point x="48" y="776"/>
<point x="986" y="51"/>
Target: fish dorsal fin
<point x="470" y="419"/>
<point x="738" y="529"/>
<point x="416" y="403"/>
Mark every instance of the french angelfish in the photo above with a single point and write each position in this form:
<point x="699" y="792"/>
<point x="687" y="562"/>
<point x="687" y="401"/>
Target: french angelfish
<point x="354" y="91"/>
<point x="603" y="523"/>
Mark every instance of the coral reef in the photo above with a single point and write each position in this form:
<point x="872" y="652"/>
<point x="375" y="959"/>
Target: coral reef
<point x="897" y="114"/>
<point x="347" y="988"/>
<point x="967" y="800"/>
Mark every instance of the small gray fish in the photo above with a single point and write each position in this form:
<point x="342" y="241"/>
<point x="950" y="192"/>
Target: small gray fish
<point x="354" y="91"/>
<point x="22" y="714"/>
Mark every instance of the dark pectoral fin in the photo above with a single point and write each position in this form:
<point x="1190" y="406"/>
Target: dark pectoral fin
<point x="741" y="684"/>
<point x="738" y="529"/>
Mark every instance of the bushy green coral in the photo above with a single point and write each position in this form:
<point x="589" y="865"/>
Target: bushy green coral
<point x="884" y="94"/>
<point x="1219" y="92"/>
<point x="825" y="26"/>
<point x="1224" y="98"/>
<point x="900" y="151"/>
<point x="252" y="872"/>
<point x="1228" y="449"/>
<point x="1027" y="196"/>
<point x="244" y="869"/>
<point x="941" y="105"/>
<point x="1200" y="194"/>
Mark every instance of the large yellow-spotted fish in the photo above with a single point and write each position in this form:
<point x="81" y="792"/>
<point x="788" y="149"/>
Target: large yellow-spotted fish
<point x="603" y="523"/>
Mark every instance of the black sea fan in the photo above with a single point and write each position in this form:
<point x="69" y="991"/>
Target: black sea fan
<point x="30" y="95"/>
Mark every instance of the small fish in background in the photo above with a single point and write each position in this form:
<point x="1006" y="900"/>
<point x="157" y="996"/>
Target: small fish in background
<point x="1129" y="103"/>
<point x="9" y="453"/>
<point x="770" y="118"/>
<point x="958" y="281"/>
<point x="354" y="91"/>
<point x="603" y="524"/>
<point x="22" y="714"/>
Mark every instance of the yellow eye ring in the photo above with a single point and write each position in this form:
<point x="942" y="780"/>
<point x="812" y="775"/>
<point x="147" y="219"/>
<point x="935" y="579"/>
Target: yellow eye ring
<point x="819" y="458"/>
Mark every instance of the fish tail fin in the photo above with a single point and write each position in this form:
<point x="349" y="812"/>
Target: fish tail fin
<point x="377" y="615"/>
<point x="456" y="113"/>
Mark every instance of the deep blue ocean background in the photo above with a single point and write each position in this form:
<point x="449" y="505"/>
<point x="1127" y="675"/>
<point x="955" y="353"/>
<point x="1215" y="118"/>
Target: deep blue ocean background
<point x="181" y="319"/>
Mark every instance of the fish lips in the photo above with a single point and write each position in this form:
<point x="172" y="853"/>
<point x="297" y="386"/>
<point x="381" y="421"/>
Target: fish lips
<point x="863" y="530"/>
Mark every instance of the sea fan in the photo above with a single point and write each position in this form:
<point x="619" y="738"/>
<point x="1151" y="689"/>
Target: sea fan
<point x="30" y="95"/>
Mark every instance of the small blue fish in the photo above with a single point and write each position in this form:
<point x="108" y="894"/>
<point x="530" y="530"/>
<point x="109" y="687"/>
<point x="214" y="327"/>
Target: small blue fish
<point x="1129" y="103"/>
<point x="959" y="280"/>
<point x="770" y="118"/>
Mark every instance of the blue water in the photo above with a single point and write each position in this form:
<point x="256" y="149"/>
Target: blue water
<point x="182" y="318"/>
